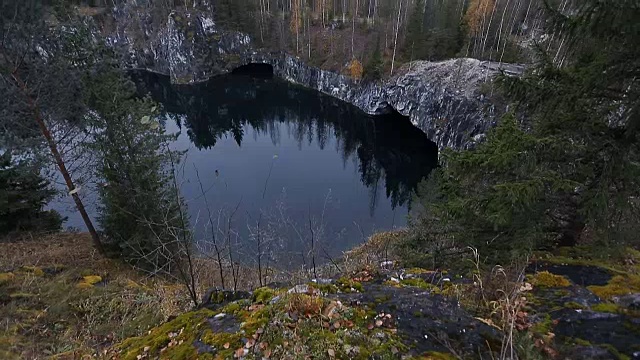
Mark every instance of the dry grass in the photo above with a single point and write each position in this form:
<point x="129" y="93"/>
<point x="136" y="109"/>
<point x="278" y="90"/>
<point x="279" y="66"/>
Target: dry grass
<point x="67" y="249"/>
<point x="379" y="248"/>
<point x="48" y="308"/>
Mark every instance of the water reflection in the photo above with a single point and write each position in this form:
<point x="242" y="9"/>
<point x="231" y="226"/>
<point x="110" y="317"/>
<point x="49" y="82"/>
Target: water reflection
<point x="387" y="149"/>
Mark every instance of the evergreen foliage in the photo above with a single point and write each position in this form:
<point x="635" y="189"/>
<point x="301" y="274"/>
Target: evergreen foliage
<point x="140" y="208"/>
<point x="23" y="195"/>
<point x="569" y="174"/>
<point x="375" y="66"/>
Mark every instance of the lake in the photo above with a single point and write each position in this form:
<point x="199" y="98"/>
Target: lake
<point x="263" y="156"/>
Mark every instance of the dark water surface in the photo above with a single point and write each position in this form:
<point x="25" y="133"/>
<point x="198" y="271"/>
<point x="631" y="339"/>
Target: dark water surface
<point x="298" y="163"/>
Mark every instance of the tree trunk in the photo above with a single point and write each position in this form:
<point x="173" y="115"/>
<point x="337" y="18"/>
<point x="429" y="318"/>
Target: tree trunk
<point x="395" y="42"/>
<point x="60" y="163"/>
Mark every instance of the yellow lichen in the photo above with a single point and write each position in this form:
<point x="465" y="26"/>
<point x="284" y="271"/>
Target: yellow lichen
<point x="548" y="280"/>
<point x="89" y="281"/>
<point x="617" y="286"/>
<point x="6" y="278"/>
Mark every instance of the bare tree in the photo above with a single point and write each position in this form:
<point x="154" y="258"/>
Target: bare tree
<point x="216" y="247"/>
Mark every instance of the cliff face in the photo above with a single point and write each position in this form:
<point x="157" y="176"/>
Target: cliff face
<point x="441" y="98"/>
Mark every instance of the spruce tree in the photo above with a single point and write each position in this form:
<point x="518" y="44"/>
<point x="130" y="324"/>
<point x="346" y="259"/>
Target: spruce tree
<point x="23" y="194"/>
<point x="141" y="210"/>
<point x="567" y="172"/>
<point x="374" y="68"/>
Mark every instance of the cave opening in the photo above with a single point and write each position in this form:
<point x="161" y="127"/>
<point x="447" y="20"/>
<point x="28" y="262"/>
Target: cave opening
<point x="260" y="70"/>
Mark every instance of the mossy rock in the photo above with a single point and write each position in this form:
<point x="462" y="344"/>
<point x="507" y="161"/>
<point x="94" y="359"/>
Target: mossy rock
<point x="545" y="279"/>
<point x="573" y="305"/>
<point x="173" y="339"/>
<point x="417" y="282"/>
<point x="347" y="285"/>
<point x="325" y="288"/>
<point x="618" y="285"/>
<point x="216" y="298"/>
<point x="606" y="308"/>
<point x="263" y="295"/>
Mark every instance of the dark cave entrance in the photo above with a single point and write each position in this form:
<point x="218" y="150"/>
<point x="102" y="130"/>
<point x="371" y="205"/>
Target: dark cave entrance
<point x="260" y="70"/>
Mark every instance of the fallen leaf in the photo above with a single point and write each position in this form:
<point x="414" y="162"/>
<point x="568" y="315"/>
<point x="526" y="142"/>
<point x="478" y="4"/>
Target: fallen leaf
<point x="226" y="345"/>
<point x="239" y="353"/>
<point x="348" y="323"/>
<point x="331" y="352"/>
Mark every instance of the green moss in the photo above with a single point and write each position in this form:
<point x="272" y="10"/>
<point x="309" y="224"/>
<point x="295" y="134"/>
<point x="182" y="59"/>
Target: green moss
<point x="617" y="286"/>
<point x="417" y="271"/>
<point x="263" y="295"/>
<point x="606" y="308"/>
<point x="219" y="340"/>
<point x="546" y="279"/>
<point x="232" y="308"/>
<point x="382" y="299"/>
<point x="417" y="282"/>
<point x="325" y="288"/>
<point x="581" y="342"/>
<point x="615" y="352"/>
<point x="347" y="285"/>
<point x="573" y="305"/>
<point x="544" y="326"/>
<point x="181" y="331"/>
<point x="6" y="278"/>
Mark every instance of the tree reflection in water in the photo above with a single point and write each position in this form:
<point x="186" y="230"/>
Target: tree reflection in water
<point x="387" y="147"/>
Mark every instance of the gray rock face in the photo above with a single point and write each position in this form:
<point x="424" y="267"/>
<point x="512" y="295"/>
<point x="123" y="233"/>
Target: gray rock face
<point x="441" y="98"/>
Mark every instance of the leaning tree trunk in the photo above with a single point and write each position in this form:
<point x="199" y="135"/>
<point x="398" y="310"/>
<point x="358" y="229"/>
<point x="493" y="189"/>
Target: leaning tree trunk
<point x="59" y="162"/>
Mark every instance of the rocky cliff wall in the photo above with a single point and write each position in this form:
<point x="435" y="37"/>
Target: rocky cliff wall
<point x="441" y="98"/>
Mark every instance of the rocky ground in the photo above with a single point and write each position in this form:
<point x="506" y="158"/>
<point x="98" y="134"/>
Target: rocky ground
<point x="564" y="306"/>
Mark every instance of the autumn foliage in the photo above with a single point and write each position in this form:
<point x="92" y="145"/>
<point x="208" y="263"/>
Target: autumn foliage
<point x="355" y="69"/>
<point x="477" y="12"/>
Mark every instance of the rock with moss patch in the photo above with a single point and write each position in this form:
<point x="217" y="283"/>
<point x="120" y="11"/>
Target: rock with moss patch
<point x="216" y="298"/>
